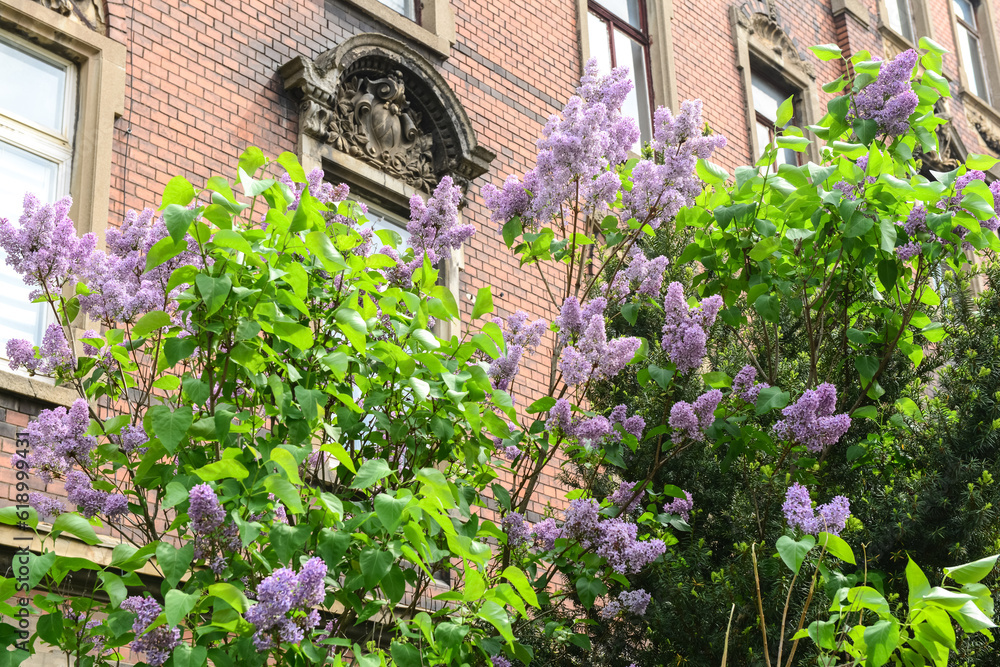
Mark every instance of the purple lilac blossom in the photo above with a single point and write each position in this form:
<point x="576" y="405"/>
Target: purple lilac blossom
<point x="659" y="191"/>
<point x="204" y="509"/>
<point x="573" y="318"/>
<point x="499" y="661"/>
<point x="575" y="154"/>
<point x="81" y="492"/>
<point x="745" y="385"/>
<point x="811" y="421"/>
<point x="594" y="357"/>
<point x="680" y="506"/>
<point x="692" y="421"/>
<point x="324" y="192"/>
<point x="46" y="506"/>
<point x="516" y="528"/>
<point x="44" y="248"/>
<point x="622" y="495"/>
<point x="618" y="545"/>
<point x="158" y="643"/>
<point x="282" y="593"/>
<point x="53" y="355"/>
<point x="133" y="438"/>
<point x="831" y="517"/>
<point x="21" y="354"/>
<point x="685" y="330"/>
<point x="581" y="522"/>
<point x="58" y="439"/>
<point x="560" y="416"/>
<point x="889" y="100"/>
<point x="520" y="337"/>
<point x="546" y="533"/>
<point x="632" y="602"/>
<point x="642" y="277"/>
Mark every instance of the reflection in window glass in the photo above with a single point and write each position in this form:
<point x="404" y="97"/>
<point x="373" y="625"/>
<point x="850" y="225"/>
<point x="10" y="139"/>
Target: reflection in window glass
<point x="600" y="47"/>
<point x="899" y="17"/>
<point x="631" y="54"/>
<point x="628" y="10"/>
<point x="970" y="47"/>
<point x="405" y="7"/>
<point x="32" y="88"/>
<point x="767" y="97"/>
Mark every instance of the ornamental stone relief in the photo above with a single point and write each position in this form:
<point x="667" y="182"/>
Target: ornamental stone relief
<point x="987" y="129"/>
<point x="87" y="12"/>
<point x="377" y="101"/>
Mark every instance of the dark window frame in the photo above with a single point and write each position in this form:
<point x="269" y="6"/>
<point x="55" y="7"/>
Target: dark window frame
<point x="766" y="74"/>
<point x="614" y="22"/>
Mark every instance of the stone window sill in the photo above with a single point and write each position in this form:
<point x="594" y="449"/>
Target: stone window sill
<point x="36" y="388"/>
<point x="438" y="41"/>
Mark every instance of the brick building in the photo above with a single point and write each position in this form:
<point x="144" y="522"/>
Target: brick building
<point x="108" y="101"/>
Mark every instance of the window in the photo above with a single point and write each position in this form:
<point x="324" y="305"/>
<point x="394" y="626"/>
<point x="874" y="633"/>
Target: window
<point x="618" y="37"/>
<point x="36" y="126"/>
<point x="899" y="17"/>
<point x="407" y="8"/>
<point x="767" y="97"/>
<point x="970" y="46"/>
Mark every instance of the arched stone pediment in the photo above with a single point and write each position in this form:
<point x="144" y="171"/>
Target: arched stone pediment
<point x="765" y="34"/>
<point x="377" y="100"/>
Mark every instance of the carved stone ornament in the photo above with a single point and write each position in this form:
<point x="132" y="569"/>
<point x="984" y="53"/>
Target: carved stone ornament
<point x="378" y="101"/>
<point x="767" y="31"/>
<point x="948" y="153"/>
<point x="987" y="129"/>
<point x="87" y="12"/>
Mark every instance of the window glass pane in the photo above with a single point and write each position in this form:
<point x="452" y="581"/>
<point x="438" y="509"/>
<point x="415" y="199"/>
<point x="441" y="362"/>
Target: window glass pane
<point x="972" y="59"/>
<point x="32" y="88"/>
<point x="404" y="7"/>
<point x="767" y="97"/>
<point x="898" y="17"/>
<point x="631" y="54"/>
<point x="378" y="220"/>
<point x="763" y="137"/>
<point x="600" y="46"/>
<point x="628" y="10"/>
<point x="21" y="172"/>
<point x="965" y="11"/>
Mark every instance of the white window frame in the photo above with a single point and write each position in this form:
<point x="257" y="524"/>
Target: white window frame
<point x="41" y="141"/>
<point x="963" y="29"/>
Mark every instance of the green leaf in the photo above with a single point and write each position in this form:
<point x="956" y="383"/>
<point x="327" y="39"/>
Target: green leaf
<point x="214" y="290"/>
<point x="589" y="589"/>
<point x="837" y="546"/>
<point x="823" y="633"/>
<point x="405" y="655"/>
<point x="224" y="469"/>
<point x="888" y="272"/>
<point x="785" y="111"/>
<point x="793" y="552"/>
<point x="973" y="572"/>
<point x="179" y="191"/>
<point x="717" y="380"/>
<point x="322" y="248"/>
<point x="522" y="585"/>
<point x="251" y="160"/>
<point x="916" y="581"/>
<point x="511" y="230"/>
<point x="174" y="562"/>
<point x="981" y="162"/>
<point x="495" y="615"/>
<point x="484" y="303"/>
<point x="113" y="586"/>
<point x="230" y="595"/>
<point x="881" y="640"/>
<point x="711" y="173"/>
<point x="370" y="472"/>
<point x="771" y="398"/>
<point x="284" y="491"/>
<point x="887" y="235"/>
<point x="868" y="598"/>
<point x="291" y="164"/>
<point x="186" y="655"/>
<point x="375" y="564"/>
<point x="178" y="220"/>
<point x="74" y="524"/>
<point x="150" y="322"/>
<point x="867" y="366"/>
<point x="826" y="51"/>
<point x="170" y="426"/>
<point x="177" y="605"/>
<point x="389" y="511"/>
<point x="765" y="248"/>
<point x="227" y="238"/>
<point x="176" y="349"/>
<point x="768" y="307"/>
<point x="661" y="376"/>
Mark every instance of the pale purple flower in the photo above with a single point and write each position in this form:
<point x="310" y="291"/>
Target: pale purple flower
<point x="546" y="533"/>
<point x="504" y="368"/>
<point x="58" y="439"/>
<point x="499" y="661"/>
<point x="44" y="248"/>
<point x="623" y="494"/>
<point x="619" y="546"/>
<point x="831" y="517"/>
<point x="516" y="528"/>
<point x="680" y="506"/>
<point x="581" y="520"/>
<point x="324" y="192"/>
<point x="692" y="421"/>
<point x="434" y="226"/>
<point x="46" y="506"/>
<point x="811" y="421"/>
<point x="204" y="509"/>
<point x="685" y="330"/>
<point x="594" y="357"/>
<point x="633" y="602"/>
<point x="158" y="644"/>
<point x="890" y="99"/>
<point x="21" y="354"/>
<point x="284" y="604"/>
<point x="560" y="416"/>
<point x="745" y="386"/>
<point x="507" y="201"/>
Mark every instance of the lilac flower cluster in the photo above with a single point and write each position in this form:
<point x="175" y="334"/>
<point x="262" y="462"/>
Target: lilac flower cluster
<point x="692" y="420"/>
<point x="286" y="600"/>
<point x="622" y="495"/>
<point x="44" y="248"/>
<point x="158" y="643"/>
<point x="574" y="318"/>
<point x="499" y="661"/>
<point x="632" y="602"/>
<point x="324" y="192"/>
<point x="213" y="536"/>
<point x="745" y="385"/>
<point x="121" y="290"/>
<point x="546" y="533"/>
<point x="518" y="531"/>
<point x="659" y="191"/>
<point x="811" y="420"/>
<point x="830" y="518"/>
<point x="685" y="330"/>
<point x="519" y="336"/>
<point x="617" y="543"/>
<point x="642" y="277"/>
<point x="84" y="626"/>
<point x="594" y="357"/>
<point x="591" y="431"/>
<point x="53" y="355"/>
<point x="575" y="154"/>
<point x="680" y="506"/>
<point x="916" y="227"/>
<point x="81" y="492"/>
<point x="889" y="100"/>
<point x="46" y="506"/>
<point x="58" y="440"/>
<point x="581" y="521"/>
